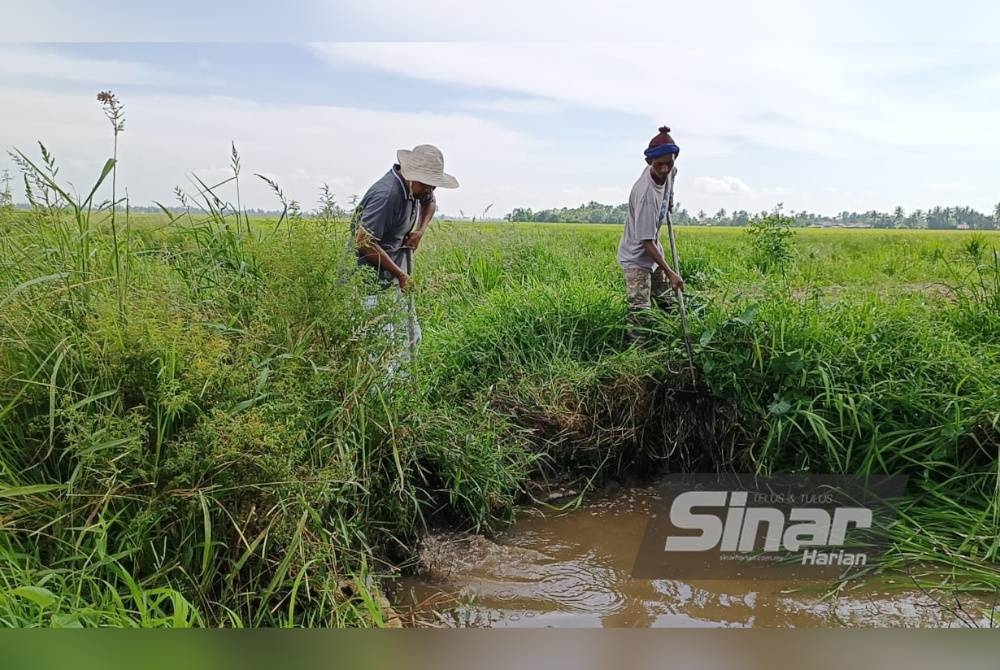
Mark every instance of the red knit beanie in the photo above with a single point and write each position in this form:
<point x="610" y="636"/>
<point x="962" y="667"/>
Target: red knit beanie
<point x="662" y="138"/>
<point x="661" y="145"/>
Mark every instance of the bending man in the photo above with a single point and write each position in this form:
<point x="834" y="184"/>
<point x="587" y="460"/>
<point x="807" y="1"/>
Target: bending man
<point x="388" y="225"/>
<point x="648" y="277"/>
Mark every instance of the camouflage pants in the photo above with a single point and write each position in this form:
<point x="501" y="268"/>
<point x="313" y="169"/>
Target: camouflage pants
<point x="643" y="288"/>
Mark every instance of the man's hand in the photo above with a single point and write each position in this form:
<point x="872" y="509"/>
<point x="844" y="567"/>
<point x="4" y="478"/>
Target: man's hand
<point x="675" y="280"/>
<point x="404" y="281"/>
<point x="412" y="240"/>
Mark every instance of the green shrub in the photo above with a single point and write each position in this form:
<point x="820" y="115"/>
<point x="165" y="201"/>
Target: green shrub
<point x="770" y="242"/>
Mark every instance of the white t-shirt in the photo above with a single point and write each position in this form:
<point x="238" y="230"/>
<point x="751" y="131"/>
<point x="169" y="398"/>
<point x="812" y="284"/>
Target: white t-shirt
<point x="647" y="207"/>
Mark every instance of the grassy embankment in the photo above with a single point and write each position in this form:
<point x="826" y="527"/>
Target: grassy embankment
<point x="196" y="428"/>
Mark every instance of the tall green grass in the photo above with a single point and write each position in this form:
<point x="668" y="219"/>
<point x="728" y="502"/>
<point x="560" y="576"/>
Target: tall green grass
<point x="852" y="371"/>
<point x="197" y="427"/>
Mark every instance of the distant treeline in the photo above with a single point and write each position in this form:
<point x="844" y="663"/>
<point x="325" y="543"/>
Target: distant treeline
<point x="595" y="212"/>
<point x="937" y="217"/>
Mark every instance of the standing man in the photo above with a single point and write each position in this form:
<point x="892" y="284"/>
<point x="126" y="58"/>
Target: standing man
<point x="648" y="278"/>
<point x="388" y="225"/>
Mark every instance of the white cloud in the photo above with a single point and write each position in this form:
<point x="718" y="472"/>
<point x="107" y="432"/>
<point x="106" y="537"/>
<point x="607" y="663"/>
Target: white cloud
<point x="716" y="185"/>
<point x="512" y="105"/>
<point x="805" y="113"/>
<point x="720" y="22"/>
<point x="176" y="21"/>
<point x="27" y="63"/>
<point x="804" y="117"/>
<point x="168" y="136"/>
<point x="948" y="186"/>
<point x="826" y="101"/>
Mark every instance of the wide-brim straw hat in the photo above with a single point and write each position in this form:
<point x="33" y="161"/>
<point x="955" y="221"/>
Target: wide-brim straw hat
<point x="426" y="165"/>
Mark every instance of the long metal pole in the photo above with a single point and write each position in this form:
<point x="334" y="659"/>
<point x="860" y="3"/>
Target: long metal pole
<point x="411" y="312"/>
<point x="680" y="292"/>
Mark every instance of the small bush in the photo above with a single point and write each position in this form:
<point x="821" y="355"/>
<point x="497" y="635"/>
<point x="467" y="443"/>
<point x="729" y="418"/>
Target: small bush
<point x="770" y="242"/>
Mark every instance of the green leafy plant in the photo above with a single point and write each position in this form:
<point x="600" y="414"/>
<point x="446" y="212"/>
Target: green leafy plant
<point x="771" y="241"/>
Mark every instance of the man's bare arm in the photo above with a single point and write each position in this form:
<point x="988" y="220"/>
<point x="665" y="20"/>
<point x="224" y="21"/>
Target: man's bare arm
<point x="427" y="210"/>
<point x="661" y="262"/>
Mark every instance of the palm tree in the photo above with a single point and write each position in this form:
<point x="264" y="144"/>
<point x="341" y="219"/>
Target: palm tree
<point x="898" y="216"/>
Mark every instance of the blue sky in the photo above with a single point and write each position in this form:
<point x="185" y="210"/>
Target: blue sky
<point x="819" y="107"/>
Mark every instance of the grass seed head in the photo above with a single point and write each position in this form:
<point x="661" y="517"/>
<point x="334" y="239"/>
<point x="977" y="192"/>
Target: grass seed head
<point x="113" y="109"/>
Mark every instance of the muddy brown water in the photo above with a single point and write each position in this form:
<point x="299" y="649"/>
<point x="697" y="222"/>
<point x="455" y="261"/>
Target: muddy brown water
<point x="572" y="569"/>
